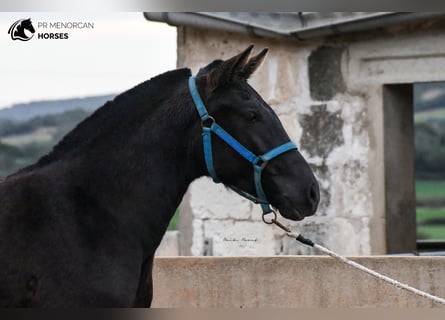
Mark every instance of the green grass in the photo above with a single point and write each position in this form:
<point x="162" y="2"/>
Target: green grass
<point x="427" y="229"/>
<point x="424" y="214"/>
<point x="432" y="230"/>
<point x="174" y="221"/>
<point x="430" y="189"/>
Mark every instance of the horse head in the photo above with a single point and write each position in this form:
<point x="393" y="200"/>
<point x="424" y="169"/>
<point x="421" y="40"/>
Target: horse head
<point x="27" y="24"/>
<point x="286" y="179"/>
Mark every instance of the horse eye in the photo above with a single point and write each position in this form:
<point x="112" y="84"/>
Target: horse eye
<point x="253" y="117"/>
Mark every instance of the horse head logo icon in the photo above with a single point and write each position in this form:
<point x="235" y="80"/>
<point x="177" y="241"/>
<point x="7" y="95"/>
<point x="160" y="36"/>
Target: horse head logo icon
<point x="17" y="30"/>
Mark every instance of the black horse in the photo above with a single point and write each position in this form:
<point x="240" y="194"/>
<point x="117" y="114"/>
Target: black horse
<point x="80" y="227"/>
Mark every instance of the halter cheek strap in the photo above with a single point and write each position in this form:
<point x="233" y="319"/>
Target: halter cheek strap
<point x="210" y="126"/>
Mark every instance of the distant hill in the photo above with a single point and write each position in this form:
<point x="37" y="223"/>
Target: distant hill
<point x="30" y="130"/>
<point x="436" y="115"/>
<point x="27" y="111"/>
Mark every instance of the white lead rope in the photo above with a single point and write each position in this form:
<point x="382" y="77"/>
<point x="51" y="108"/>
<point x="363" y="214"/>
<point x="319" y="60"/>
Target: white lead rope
<point x="367" y="270"/>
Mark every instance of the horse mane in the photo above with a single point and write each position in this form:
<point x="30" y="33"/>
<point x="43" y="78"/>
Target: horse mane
<point x="147" y="94"/>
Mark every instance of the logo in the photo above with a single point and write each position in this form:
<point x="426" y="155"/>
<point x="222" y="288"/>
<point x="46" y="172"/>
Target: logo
<point x="23" y="29"/>
<point x="19" y="28"/>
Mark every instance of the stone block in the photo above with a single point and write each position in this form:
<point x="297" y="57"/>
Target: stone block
<point x="325" y="76"/>
<point x="339" y="234"/>
<point x="169" y="245"/>
<point x="240" y="238"/>
<point x="214" y="201"/>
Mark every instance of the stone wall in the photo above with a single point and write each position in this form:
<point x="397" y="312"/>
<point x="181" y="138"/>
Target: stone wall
<point x="329" y="94"/>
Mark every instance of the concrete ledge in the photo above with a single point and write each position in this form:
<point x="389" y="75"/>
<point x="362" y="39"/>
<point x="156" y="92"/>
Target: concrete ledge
<point x="293" y="281"/>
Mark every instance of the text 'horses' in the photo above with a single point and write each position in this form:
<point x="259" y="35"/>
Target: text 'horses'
<point x="80" y="227"/>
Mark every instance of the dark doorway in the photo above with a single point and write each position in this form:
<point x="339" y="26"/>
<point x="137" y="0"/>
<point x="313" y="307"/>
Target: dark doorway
<point x="399" y="168"/>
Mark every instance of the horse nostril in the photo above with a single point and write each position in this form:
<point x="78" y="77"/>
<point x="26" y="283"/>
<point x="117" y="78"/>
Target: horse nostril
<point x="314" y="195"/>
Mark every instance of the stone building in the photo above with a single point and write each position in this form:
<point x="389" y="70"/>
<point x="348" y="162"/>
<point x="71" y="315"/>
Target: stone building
<point x="342" y="84"/>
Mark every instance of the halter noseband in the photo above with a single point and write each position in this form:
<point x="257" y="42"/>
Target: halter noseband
<point x="258" y="162"/>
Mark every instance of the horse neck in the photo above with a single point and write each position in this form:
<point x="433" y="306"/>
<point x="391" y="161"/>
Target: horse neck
<point x="20" y="29"/>
<point x="139" y="175"/>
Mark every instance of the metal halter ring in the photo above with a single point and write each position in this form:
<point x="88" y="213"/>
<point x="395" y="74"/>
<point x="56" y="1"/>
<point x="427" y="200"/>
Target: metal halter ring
<point x="209" y="118"/>
<point x="261" y="163"/>
<point x="272" y="220"/>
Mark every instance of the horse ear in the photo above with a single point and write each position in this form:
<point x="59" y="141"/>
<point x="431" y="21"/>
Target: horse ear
<point x="228" y="70"/>
<point x="253" y="64"/>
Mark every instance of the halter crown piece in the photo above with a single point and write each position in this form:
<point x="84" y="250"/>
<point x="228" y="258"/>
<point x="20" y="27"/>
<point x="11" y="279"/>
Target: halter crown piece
<point x="258" y="162"/>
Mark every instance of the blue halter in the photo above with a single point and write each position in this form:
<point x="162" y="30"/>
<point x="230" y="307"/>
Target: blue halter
<point x="258" y="162"/>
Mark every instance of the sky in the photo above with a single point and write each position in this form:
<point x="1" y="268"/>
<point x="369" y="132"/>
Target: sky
<point x="122" y="50"/>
